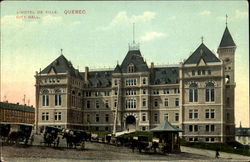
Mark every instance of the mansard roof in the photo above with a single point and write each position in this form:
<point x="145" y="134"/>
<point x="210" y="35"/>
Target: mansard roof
<point x="133" y="57"/>
<point x="202" y="52"/>
<point x="165" y="75"/>
<point x="227" y="40"/>
<point x="99" y="79"/>
<point x="62" y="65"/>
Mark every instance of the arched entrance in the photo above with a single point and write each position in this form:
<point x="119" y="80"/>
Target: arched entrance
<point x="130" y="123"/>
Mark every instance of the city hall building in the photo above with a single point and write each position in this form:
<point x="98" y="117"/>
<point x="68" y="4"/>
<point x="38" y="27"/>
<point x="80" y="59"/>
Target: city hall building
<point x="196" y="95"/>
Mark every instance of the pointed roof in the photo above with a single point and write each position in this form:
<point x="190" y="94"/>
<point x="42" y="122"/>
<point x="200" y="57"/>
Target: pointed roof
<point x="133" y="57"/>
<point x="202" y="52"/>
<point x="227" y="39"/>
<point x="62" y="65"/>
<point x="165" y="127"/>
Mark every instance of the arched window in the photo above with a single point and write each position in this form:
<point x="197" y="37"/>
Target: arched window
<point x="210" y="92"/>
<point x="45" y="97"/>
<point x="193" y="92"/>
<point x="144" y="81"/>
<point x="58" y="97"/>
<point x="131" y="68"/>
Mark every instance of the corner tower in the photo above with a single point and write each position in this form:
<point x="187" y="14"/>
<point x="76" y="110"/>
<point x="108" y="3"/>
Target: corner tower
<point x="226" y="51"/>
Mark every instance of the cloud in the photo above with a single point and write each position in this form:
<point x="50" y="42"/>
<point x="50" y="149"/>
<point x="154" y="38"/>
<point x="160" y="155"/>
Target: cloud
<point x="151" y="36"/>
<point x="205" y="13"/>
<point x="122" y="18"/>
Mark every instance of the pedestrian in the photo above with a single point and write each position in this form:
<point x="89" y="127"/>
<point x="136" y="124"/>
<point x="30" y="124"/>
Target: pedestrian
<point x="217" y="154"/>
<point x="57" y="141"/>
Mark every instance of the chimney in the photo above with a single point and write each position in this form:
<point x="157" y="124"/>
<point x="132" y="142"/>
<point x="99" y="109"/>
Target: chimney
<point x="86" y="74"/>
<point x="17" y="103"/>
<point x="152" y="65"/>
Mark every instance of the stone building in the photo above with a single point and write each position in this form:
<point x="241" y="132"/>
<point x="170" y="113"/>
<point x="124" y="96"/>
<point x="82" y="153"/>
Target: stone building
<point x="196" y="95"/>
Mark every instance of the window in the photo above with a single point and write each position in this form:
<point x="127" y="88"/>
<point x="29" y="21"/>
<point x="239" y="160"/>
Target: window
<point x="143" y="116"/>
<point x="131" y="92"/>
<point x="116" y="92"/>
<point x="106" y="93"/>
<point x="210" y="92"/>
<point x="190" y="128"/>
<point x="107" y="117"/>
<point x="130" y="82"/>
<point x="176" y="116"/>
<point x="155" y="117"/>
<point x="207" y="128"/>
<point x="196" y="128"/>
<point x="156" y="102"/>
<point x="58" y="99"/>
<point x="199" y="72"/>
<point x="203" y="72"/>
<point x="45" y="116"/>
<point x="209" y="113"/>
<point x="166" y="117"/>
<point x="115" y="82"/>
<point x="58" y="115"/>
<point x="144" y="91"/>
<point x="45" y="100"/>
<point x="156" y="91"/>
<point x="144" y="81"/>
<point x="88" y="94"/>
<point x="228" y="101"/>
<point x="131" y="68"/>
<point x="177" y="102"/>
<point x="228" y="116"/>
<point x="193" y="72"/>
<point x="88" y="104"/>
<point x="209" y="72"/>
<point x="193" y="114"/>
<point x="166" y="91"/>
<point x="166" y="102"/>
<point x="97" y="104"/>
<point x="144" y="102"/>
<point x="176" y="90"/>
<point x="88" y="118"/>
<point x="193" y="93"/>
<point x="210" y="128"/>
<point x="97" y="117"/>
<point x="107" y="104"/>
<point x="193" y="128"/>
<point x="115" y="103"/>
<point x="96" y="93"/>
<point x="131" y="103"/>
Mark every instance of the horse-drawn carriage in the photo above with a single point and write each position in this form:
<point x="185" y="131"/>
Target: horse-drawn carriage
<point x="76" y="138"/>
<point x="50" y="135"/>
<point x="15" y="133"/>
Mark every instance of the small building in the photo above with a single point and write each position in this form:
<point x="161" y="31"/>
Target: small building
<point x="242" y="135"/>
<point x="16" y="114"/>
<point x="168" y="136"/>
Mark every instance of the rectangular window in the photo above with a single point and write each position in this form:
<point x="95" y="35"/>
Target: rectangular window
<point x="166" y="91"/>
<point x="115" y="103"/>
<point x="45" y="100"/>
<point x="166" y="102"/>
<point x="207" y="113"/>
<point x="97" y="117"/>
<point x="155" y="117"/>
<point x="212" y="113"/>
<point x="144" y="91"/>
<point x="97" y="104"/>
<point x="58" y="115"/>
<point x="212" y="128"/>
<point x="193" y="72"/>
<point x="207" y="128"/>
<point x="88" y="104"/>
<point x="190" y="128"/>
<point x="45" y="116"/>
<point x="166" y="116"/>
<point x="107" y="117"/>
<point x="144" y="102"/>
<point x="106" y="93"/>
<point x="156" y="103"/>
<point x="195" y="114"/>
<point x="107" y="104"/>
<point x="176" y="90"/>
<point x="196" y="128"/>
<point x="190" y="114"/>
<point x="176" y="116"/>
<point x="58" y="100"/>
<point x="144" y="117"/>
<point x="177" y="102"/>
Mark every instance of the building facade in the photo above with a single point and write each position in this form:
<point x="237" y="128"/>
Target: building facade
<point x="196" y="95"/>
<point x="16" y="114"/>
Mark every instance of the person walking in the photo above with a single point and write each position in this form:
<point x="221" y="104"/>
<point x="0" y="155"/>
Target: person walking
<point x="217" y="154"/>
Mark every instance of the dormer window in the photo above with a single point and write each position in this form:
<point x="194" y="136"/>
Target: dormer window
<point x="131" y="68"/>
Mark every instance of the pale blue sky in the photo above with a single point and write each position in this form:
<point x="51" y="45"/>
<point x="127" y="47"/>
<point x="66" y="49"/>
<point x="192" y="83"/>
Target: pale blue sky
<point x="167" y="33"/>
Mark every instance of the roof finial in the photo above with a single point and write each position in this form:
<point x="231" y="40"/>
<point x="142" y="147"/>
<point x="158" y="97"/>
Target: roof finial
<point x="202" y="38"/>
<point x="61" y="51"/>
<point x="133" y="33"/>
<point x="226" y="19"/>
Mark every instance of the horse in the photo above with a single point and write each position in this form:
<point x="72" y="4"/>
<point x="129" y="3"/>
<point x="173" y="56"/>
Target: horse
<point x="75" y="137"/>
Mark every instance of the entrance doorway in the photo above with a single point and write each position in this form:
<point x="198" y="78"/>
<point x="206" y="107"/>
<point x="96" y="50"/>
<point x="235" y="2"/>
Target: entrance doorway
<point x="130" y="123"/>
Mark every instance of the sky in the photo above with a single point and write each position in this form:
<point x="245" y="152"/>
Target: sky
<point x="32" y="34"/>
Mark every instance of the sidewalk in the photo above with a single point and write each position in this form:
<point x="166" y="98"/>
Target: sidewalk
<point x="211" y="154"/>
